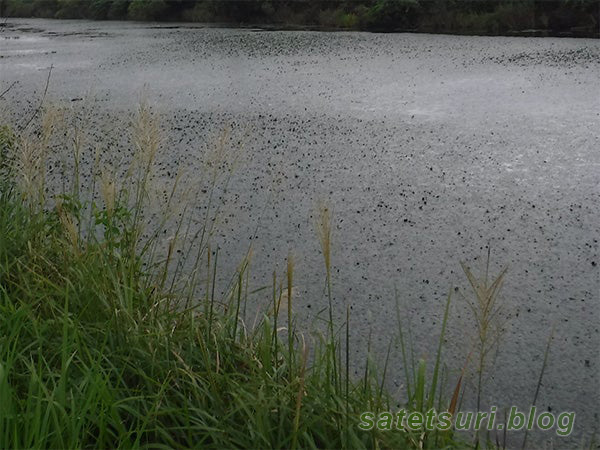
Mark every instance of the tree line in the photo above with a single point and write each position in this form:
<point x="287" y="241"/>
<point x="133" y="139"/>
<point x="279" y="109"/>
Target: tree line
<point x="490" y="17"/>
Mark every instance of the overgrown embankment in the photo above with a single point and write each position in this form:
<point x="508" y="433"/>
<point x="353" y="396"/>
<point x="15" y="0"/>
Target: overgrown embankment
<point x="494" y="17"/>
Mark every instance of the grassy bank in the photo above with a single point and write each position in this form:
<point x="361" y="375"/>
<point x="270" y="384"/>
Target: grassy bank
<point x="494" y="17"/>
<point x="106" y="342"/>
<point x="114" y="335"/>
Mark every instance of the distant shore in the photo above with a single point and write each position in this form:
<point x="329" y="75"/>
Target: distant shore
<point x="555" y="18"/>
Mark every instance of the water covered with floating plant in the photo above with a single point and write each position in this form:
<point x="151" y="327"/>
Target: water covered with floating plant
<point x="428" y="149"/>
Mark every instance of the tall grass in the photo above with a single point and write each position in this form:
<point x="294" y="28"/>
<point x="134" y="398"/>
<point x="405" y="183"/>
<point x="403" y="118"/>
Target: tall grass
<point x="107" y="341"/>
<point x="113" y="336"/>
<point x="486" y="309"/>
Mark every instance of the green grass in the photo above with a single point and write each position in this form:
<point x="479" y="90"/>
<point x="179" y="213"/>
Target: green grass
<point x="106" y="342"/>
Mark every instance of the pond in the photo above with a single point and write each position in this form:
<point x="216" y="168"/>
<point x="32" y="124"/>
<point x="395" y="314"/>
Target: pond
<point x="428" y="148"/>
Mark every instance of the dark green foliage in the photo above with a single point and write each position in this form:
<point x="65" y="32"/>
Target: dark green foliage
<point x="117" y="9"/>
<point x="45" y="8"/>
<point x="393" y="15"/>
<point x="73" y="9"/>
<point x="147" y="9"/>
<point x="98" y="9"/>
<point x="16" y="8"/>
<point x="549" y="17"/>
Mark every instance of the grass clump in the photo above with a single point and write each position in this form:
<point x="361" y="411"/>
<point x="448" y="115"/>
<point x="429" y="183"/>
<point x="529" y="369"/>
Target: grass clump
<point x="105" y="343"/>
<point x="113" y="336"/>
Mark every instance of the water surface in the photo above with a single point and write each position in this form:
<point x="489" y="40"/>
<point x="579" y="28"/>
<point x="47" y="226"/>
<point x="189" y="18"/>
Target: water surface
<point x="429" y="147"/>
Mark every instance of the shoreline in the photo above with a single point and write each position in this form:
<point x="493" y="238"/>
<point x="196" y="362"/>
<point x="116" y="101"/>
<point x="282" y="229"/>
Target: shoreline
<point x="272" y="27"/>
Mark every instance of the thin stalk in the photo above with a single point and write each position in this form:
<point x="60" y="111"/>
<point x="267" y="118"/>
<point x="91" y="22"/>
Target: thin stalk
<point x="539" y="383"/>
<point x="434" y="380"/>
<point x="347" y="380"/>
<point x="275" y="316"/>
<point x="405" y="363"/>
<point x="212" y="297"/>
<point x="290" y="279"/>
<point x="237" y="306"/>
<point x="206" y="293"/>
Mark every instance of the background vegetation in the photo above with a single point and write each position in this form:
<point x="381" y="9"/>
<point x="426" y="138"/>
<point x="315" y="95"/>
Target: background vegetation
<point x="492" y="17"/>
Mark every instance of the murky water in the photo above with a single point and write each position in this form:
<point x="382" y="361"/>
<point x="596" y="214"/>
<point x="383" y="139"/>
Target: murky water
<point x="428" y="147"/>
